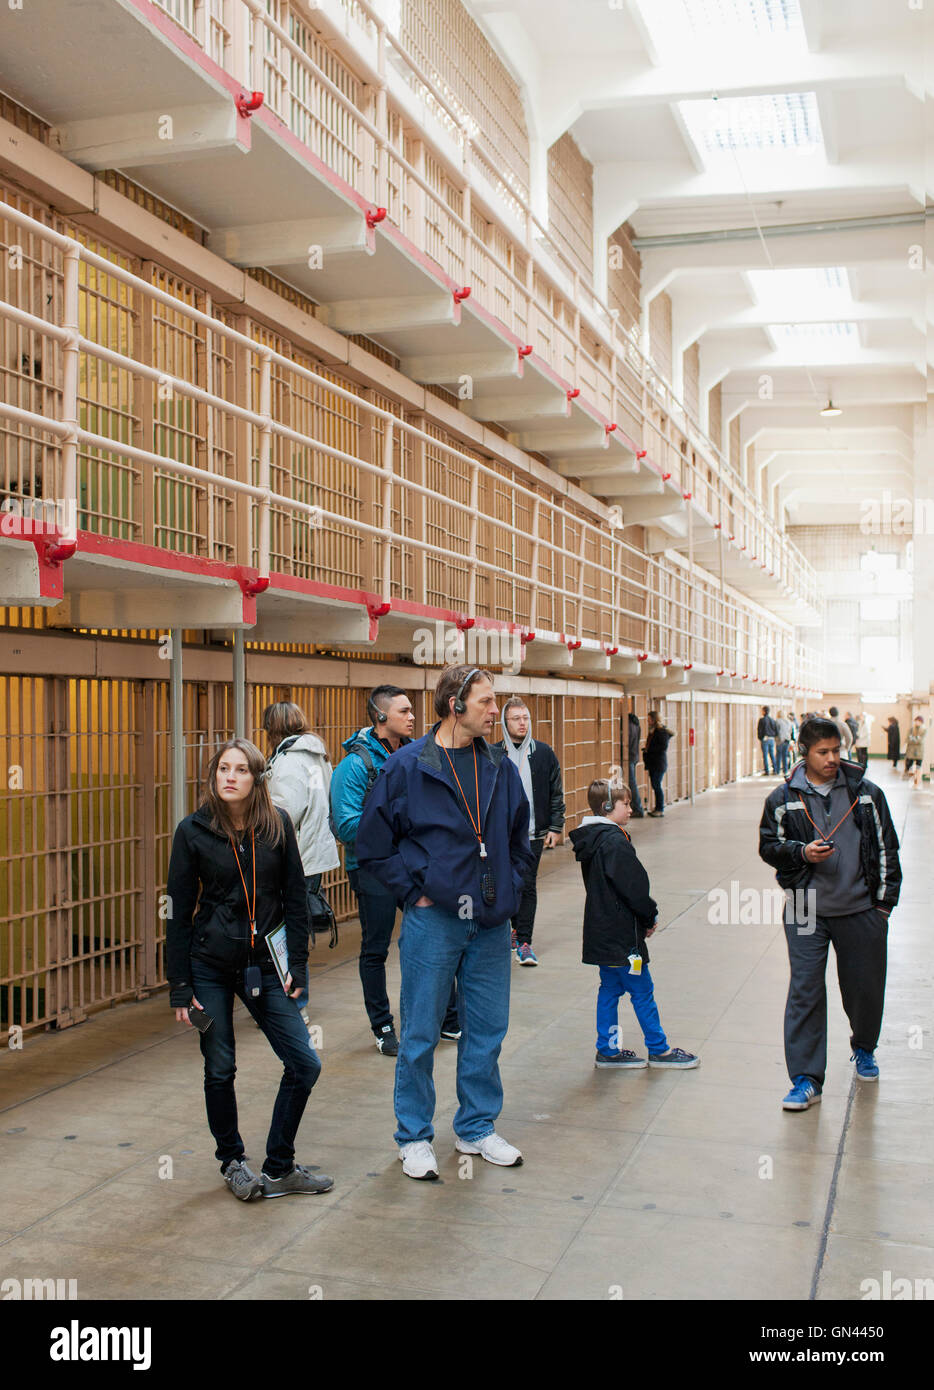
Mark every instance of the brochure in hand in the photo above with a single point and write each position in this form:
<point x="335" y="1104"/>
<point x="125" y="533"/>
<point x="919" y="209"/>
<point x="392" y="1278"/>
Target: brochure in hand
<point x="279" y="951"/>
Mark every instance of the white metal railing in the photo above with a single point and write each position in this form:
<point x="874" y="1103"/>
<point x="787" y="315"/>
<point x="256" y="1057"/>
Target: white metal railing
<point x="653" y="406"/>
<point x="669" y="597"/>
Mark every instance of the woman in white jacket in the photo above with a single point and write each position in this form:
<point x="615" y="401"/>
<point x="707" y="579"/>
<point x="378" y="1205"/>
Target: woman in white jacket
<point x="300" y="782"/>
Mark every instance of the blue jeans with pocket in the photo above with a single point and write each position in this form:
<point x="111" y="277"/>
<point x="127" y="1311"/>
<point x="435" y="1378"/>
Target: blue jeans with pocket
<point x="277" y="1016"/>
<point x="615" y="981"/>
<point x="435" y="949"/>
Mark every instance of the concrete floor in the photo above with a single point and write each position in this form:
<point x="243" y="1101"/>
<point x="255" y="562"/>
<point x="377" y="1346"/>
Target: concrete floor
<point x="646" y="1185"/>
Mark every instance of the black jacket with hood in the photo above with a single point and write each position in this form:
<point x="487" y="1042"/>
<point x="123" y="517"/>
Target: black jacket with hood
<point x="785" y="830"/>
<point x="619" y="909"/>
<point x="215" y="927"/>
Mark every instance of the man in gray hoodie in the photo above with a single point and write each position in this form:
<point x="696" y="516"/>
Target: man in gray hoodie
<point x="540" y="771"/>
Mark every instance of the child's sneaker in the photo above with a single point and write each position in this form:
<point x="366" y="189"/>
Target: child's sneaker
<point x="674" y="1057"/>
<point x="620" y="1060"/>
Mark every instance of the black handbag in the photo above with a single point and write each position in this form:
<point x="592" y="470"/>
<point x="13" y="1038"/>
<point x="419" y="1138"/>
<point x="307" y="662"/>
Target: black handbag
<point x="321" y="917"/>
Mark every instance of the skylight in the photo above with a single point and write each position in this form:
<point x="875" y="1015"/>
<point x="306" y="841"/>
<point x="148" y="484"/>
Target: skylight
<point x="816" y="340"/>
<point x="799" y="286"/>
<point x="682" y="24"/>
<point x="779" y="121"/>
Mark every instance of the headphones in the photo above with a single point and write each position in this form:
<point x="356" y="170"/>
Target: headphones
<point x="377" y="716"/>
<point x="460" y="706"/>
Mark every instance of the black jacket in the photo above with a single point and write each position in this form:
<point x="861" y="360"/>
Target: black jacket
<point x="619" y="909"/>
<point x="894" y="736"/>
<point x="656" y="748"/>
<point x="634" y="737"/>
<point x="766" y="727"/>
<point x="547" y="791"/>
<point x="215" y="927"/>
<point x="785" y="830"/>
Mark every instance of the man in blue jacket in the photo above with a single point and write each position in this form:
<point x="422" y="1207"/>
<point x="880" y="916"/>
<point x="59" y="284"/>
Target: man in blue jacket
<point x="446" y="831"/>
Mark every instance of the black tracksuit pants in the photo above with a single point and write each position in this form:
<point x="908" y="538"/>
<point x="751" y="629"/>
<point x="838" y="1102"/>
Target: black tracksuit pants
<point x="859" y="941"/>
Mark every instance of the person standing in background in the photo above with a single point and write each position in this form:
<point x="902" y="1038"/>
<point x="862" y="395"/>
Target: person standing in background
<point x="852" y="724"/>
<point x="893" y="736"/>
<point x="300" y="783"/>
<point x="783" y="724"/>
<point x="861" y="741"/>
<point x="655" y="758"/>
<point x="914" y="746"/>
<point x="634" y="738"/>
<point x="846" y="737"/>
<point x="541" y="780"/>
<point x="766" y="733"/>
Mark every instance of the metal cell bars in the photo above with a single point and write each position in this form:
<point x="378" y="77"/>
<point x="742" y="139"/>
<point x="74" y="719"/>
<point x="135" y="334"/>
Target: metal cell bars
<point x="267" y="427"/>
<point x="108" y="403"/>
<point x="590" y="745"/>
<point x="320" y="120"/>
<point x="103" y="801"/>
<point x="511" y="551"/>
<point x="390" y="171"/>
<point x="30" y="363"/>
<point x="25" y="886"/>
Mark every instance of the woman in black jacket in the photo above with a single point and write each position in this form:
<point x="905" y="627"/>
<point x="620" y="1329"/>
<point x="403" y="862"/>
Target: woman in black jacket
<point x="894" y="735"/>
<point x="234" y="874"/>
<point x="655" y="757"/>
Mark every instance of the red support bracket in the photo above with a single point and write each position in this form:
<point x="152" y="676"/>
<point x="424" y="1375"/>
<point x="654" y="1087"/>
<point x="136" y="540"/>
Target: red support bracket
<point x="461" y="295"/>
<point x="52" y="553"/>
<point x="463" y="623"/>
<point x="611" y="651"/>
<point x="525" y="351"/>
<point x="525" y="637"/>
<point x="252" y="587"/>
<point x="642" y="453"/>
<point x="573" y="646"/>
<point x="688" y="665"/>
<point x="687" y="496"/>
<point x="643" y="656"/>
<point x="667" y="661"/>
<point x="574" y="393"/>
<point x="610" y="428"/>
<point x="374" y="216"/>
<point x="717" y="525"/>
<point x="378" y="610"/>
<point x="665" y="477"/>
<point x="246" y="105"/>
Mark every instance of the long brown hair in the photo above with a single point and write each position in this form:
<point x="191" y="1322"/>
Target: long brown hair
<point x="261" y="816"/>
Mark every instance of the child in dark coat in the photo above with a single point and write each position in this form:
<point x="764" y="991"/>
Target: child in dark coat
<point x="619" y="917"/>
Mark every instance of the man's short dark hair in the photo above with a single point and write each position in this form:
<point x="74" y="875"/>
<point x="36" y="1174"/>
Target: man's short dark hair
<point x="833" y="712"/>
<point x="381" y="696"/>
<point x="450" y="682"/>
<point x="815" y="729"/>
<point x="765" y="709"/>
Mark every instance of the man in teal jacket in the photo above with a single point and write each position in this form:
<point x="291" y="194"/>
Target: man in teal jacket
<point x="392" y="725"/>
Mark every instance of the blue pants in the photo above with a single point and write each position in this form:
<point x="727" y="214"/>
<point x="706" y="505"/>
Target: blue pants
<point x="656" y="775"/>
<point x="287" y="1035"/>
<point x="435" y="948"/>
<point x="768" y="751"/>
<point x="784" y="756"/>
<point x="616" y="981"/>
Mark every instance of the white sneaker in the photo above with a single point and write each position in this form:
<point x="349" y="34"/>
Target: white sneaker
<point x="493" y="1148"/>
<point x="418" y="1160"/>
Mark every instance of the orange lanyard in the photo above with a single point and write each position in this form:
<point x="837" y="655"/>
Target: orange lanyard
<point x="817" y="827"/>
<point x="250" y="907"/>
<point x="475" y="823"/>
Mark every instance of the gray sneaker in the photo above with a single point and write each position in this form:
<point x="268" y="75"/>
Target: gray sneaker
<point x="300" y="1180"/>
<point x="241" y="1180"/>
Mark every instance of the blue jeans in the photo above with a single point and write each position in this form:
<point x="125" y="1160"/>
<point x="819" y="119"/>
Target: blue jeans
<point x="768" y="751"/>
<point x="435" y="948"/>
<point x="280" y="1020"/>
<point x="616" y="981"/>
<point x="784" y="755"/>
<point x="656" y="775"/>
<point x="635" y="799"/>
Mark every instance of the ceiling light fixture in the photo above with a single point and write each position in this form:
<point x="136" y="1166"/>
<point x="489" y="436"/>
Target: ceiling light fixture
<point x="831" y="409"/>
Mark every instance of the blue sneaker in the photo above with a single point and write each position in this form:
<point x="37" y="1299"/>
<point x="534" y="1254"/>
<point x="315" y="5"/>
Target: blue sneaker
<point x="803" y="1094"/>
<point x="674" y="1057"/>
<point x="866" y="1068"/>
<point x="525" y="955"/>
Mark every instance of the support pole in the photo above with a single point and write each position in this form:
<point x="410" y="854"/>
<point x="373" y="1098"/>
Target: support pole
<point x="176" y="703"/>
<point x="239" y="684"/>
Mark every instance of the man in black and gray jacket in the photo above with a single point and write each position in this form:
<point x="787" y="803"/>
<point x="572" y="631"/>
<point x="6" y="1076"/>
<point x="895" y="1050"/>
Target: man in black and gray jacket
<point x="541" y="778"/>
<point x="828" y="833"/>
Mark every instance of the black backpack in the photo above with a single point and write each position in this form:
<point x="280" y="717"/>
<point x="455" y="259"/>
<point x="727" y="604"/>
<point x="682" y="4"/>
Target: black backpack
<point x="360" y="747"/>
